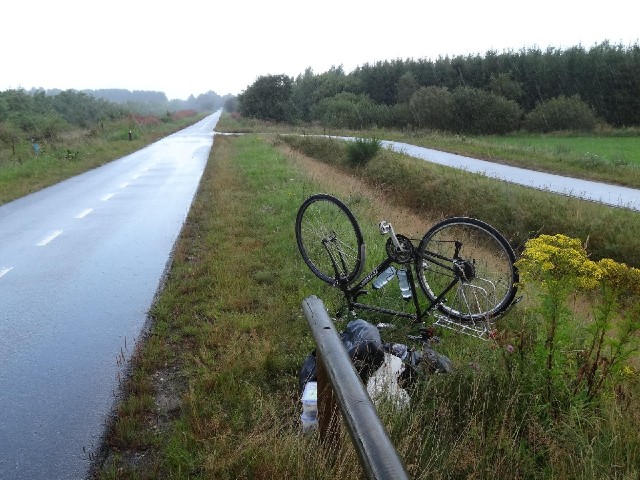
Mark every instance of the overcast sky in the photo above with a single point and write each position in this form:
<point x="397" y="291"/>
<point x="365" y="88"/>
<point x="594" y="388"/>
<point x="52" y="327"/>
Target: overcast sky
<point x="194" y="46"/>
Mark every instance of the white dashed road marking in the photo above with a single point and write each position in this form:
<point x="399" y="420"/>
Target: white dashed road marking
<point x="84" y="213"/>
<point x="49" y="238"/>
<point x="4" y="271"/>
<point x="107" y="197"/>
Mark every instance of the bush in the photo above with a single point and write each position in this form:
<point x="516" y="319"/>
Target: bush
<point x="347" y="110"/>
<point x="482" y="113"/>
<point x="399" y="115"/>
<point x="362" y="150"/>
<point x="268" y="98"/>
<point x="561" y="113"/>
<point x="432" y="108"/>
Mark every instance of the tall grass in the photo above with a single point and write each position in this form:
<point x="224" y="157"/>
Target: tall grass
<point x="518" y="212"/>
<point x="228" y="329"/>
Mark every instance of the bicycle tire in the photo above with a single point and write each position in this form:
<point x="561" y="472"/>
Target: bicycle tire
<point x="490" y="284"/>
<point x="325" y="230"/>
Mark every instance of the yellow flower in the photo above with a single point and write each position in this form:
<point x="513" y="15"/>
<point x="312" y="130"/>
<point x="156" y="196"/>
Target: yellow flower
<point x="558" y="257"/>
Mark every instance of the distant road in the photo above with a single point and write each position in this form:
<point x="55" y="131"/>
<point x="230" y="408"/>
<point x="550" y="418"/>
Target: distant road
<point x="595" y="191"/>
<point x="607" y="194"/>
<point x="80" y="263"/>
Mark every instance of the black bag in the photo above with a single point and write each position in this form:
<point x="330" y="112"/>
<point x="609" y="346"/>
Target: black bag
<point x="364" y="346"/>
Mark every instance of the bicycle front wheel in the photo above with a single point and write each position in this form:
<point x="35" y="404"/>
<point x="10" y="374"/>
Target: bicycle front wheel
<point x="474" y="261"/>
<point x="329" y="239"/>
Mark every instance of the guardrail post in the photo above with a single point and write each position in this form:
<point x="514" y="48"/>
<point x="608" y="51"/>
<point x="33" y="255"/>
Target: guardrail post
<point x="377" y="455"/>
<point x="328" y="418"/>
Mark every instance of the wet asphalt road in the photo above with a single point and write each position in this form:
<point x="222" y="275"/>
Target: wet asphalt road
<point x="80" y="263"/>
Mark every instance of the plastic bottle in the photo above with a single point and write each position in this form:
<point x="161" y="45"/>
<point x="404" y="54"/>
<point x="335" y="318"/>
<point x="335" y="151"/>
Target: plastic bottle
<point x="405" y="289"/>
<point x="309" y="416"/>
<point x="382" y="279"/>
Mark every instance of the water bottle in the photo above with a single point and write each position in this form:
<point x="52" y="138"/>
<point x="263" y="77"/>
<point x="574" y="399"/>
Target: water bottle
<point x="309" y="416"/>
<point x="384" y="277"/>
<point x="404" y="284"/>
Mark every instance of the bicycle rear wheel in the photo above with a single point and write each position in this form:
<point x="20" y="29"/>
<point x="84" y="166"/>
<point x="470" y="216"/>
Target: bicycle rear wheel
<point x="477" y="258"/>
<point x="329" y="239"/>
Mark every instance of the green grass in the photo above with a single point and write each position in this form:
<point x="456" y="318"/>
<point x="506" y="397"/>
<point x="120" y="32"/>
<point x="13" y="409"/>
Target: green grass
<point x="620" y="150"/>
<point x="606" y="158"/>
<point x="611" y="157"/>
<point x="516" y="211"/>
<point x="229" y="325"/>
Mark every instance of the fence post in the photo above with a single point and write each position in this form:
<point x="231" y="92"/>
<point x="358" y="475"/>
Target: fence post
<point x="328" y="418"/>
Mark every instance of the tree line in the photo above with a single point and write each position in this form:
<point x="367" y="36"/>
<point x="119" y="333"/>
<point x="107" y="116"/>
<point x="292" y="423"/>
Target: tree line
<point x="153" y="102"/>
<point x="530" y="89"/>
<point x="41" y="116"/>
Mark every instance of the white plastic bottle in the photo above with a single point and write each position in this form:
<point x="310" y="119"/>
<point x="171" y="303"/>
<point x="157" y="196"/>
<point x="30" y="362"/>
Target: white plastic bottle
<point x="309" y="417"/>
<point x="382" y="279"/>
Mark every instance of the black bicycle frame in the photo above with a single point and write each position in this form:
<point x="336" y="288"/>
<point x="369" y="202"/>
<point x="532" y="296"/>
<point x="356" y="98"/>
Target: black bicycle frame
<point x="352" y="293"/>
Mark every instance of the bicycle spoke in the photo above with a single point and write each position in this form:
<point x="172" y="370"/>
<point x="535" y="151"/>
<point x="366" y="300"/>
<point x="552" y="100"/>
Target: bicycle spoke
<point x="481" y="260"/>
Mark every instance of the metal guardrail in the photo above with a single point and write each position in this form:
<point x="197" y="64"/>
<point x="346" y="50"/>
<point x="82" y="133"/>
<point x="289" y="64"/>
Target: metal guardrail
<point x="338" y="380"/>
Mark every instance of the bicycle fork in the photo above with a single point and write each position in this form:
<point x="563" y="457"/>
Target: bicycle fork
<point x="340" y="274"/>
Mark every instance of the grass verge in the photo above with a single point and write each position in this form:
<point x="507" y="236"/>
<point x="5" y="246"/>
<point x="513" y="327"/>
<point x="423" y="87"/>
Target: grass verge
<point x="610" y="157"/>
<point x="229" y="322"/>
<point x="229" y="336"/>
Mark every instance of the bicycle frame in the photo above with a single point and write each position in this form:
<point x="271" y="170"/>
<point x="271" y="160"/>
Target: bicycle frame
<point x="352" y="293"/>
<point x="464" y="267"/>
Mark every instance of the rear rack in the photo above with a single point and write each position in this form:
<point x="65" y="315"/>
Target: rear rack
<point x="481" y="330"/>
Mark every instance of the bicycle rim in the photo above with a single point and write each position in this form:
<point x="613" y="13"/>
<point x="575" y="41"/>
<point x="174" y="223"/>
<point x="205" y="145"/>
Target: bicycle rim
<point x="329" y="239"/>
<point x="486" y="287"/>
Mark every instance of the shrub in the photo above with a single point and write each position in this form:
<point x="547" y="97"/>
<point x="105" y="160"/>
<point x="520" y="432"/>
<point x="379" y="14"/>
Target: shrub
<point x="268" y="98"/>
<point x="362" y="150"/>
<point x="346" y="110"/>
<point x="400" y="115"/>
<point x="482" y="113"/>
<point x="432" y="108"/>
<point x="561" y="113"/>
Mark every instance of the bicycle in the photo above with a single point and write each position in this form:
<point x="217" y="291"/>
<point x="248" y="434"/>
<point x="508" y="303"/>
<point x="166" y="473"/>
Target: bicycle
<point x="464" y="266"/>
